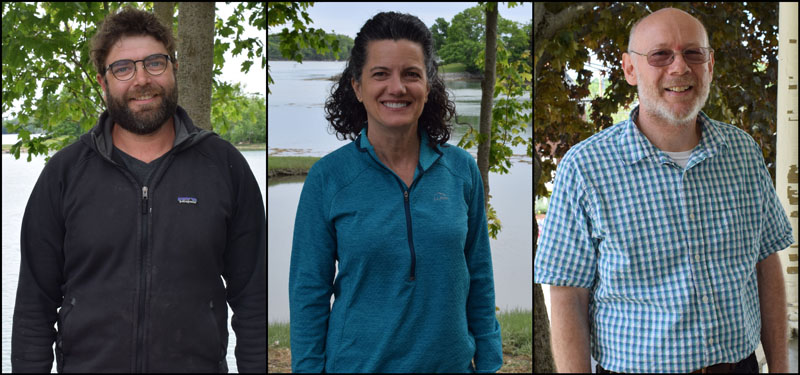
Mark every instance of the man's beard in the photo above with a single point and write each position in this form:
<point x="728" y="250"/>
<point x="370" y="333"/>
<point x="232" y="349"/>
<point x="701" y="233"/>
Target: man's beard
<point x="652" y="101"/>
<point x="149" y="119"/>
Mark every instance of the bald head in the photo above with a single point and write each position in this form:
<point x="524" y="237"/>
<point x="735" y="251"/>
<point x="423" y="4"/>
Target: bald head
<point x="665" y="26"/>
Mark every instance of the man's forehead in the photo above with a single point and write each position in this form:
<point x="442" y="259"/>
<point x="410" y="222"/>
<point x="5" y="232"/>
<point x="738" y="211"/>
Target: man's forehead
<point x="669" y="45"/>
<point x="671" y="26"/>
<point x="135" y="48"/>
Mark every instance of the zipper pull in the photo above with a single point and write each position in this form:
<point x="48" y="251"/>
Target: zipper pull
<point x="405" y="195"/>
<point x="144" y="199"/>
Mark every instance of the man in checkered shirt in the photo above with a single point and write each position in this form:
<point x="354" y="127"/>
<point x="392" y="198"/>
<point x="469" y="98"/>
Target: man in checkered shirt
<point x="661" y="235"/>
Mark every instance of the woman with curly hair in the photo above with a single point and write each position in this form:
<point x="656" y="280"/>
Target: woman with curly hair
<point x="403" y="214"/>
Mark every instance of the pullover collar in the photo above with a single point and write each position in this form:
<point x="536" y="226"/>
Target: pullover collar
<point x="427" y="154"/>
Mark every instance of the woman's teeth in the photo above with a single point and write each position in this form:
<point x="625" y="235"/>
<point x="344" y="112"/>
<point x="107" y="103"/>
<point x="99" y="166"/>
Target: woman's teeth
<point x="395" y="105"/>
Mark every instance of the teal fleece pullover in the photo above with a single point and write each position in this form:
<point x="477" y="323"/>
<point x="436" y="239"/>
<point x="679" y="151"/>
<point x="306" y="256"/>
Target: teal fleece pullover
<point x="415" y="291"/>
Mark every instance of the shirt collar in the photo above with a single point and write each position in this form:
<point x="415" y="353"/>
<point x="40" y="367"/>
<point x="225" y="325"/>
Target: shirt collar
<point x="427" y="154"/>
<point x="634" y="146"/>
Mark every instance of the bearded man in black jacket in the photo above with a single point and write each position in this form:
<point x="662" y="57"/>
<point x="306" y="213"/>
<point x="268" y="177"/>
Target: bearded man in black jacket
<point x="129" y="231"/>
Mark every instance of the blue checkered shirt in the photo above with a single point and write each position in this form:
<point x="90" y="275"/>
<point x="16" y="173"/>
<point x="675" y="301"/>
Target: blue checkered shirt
<point x="668" y="253"/>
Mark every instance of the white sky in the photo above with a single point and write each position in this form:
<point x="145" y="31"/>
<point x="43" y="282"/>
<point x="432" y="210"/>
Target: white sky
<point x="347" y="18"/>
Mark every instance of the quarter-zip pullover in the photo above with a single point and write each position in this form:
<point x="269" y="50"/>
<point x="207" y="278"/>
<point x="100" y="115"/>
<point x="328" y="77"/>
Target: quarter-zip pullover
<point x="137" y="268"/>
<point x="415" y="291"/>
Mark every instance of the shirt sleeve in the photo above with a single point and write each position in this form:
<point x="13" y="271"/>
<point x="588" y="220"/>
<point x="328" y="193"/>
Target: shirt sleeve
<point x="246" y="269"/>
<point x="776" y="231"/>
<point x="311" y="275"/>
<point x="566" y="253"/>
<point x="481" y="317"/>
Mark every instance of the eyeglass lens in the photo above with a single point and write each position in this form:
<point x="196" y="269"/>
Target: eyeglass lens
<point x="124" y="70"/>
<point x="664" y="57"/>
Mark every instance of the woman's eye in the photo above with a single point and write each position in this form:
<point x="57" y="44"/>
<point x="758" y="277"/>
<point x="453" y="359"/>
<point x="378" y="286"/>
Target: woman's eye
<point x="384" y="73"/>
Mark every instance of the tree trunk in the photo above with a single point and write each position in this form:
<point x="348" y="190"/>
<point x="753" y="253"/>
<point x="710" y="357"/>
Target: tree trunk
<point x="542" y="352"/>
<point x="196" y="60"/>
<point x="487" y="95"/>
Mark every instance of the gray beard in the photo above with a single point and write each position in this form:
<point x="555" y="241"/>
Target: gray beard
<point x="146" y="121"/>
<point x="650" y="102"/>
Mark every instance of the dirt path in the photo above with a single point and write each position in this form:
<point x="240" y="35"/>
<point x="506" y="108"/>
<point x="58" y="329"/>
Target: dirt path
<point x="280" y="361"/>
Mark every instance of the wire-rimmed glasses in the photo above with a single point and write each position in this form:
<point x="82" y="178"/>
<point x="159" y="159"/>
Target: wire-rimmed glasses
<point x="665" y="56"/>
<point x="124" y="70"/>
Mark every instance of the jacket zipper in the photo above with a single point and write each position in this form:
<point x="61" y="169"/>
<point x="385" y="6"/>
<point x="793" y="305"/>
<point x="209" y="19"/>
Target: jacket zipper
<point x="144" y="200"/>
<point x="142" y="285"/>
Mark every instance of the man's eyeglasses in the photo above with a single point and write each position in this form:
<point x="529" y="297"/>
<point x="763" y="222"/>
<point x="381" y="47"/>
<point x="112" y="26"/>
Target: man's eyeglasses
<point x="124" y="70"/>
<point x="665" y="56"/>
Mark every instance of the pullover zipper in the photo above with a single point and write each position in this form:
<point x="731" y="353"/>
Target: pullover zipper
<point x="410" y="235"/>
<point x="407" y="206"/>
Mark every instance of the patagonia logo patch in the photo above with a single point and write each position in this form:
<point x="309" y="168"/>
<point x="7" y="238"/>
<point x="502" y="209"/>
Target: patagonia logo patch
<point x="187" y="200"/>
<point x="440" y="197"/>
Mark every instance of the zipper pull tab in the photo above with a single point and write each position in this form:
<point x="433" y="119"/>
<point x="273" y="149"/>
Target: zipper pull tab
<point x="405" y="195"/>
<point x="144" y="199"/>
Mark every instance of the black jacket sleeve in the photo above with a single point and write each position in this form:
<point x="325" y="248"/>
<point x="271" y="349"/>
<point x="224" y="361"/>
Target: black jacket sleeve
<point x="246" y="268"/>
<point x="40" y="276"/>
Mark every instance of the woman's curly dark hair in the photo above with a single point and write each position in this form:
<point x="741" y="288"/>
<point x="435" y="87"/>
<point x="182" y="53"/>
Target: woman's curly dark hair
<point x="347" y="116"/>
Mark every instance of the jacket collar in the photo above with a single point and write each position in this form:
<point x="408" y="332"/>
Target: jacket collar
<point x="427" y="154"/>
<point x="634" y="146"/>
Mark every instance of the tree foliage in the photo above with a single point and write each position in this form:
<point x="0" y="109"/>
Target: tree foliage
<point x="510" y="115"/>
<point x="743" y="90"/>
<point x="463" y="38"/>
<point x="46" y="47"/>
<point x="299" y="37"/>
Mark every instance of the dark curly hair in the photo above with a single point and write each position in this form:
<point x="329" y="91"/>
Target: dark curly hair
<point x="344" y="112"/>
<point x="128" y="22"/>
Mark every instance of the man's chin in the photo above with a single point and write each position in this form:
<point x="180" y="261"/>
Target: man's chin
<point x="142" y="122"/>
<point x="674" y="113"/>
<point x="139" y="130"/>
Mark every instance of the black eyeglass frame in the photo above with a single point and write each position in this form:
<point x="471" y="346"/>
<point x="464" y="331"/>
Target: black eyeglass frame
<point x="672" y="58"/>
<point x="144" y="65"/>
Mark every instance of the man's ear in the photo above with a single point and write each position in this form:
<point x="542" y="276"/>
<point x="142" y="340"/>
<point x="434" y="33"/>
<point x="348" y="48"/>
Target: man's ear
<point x="102" y="83"/>
<point x="628" y="69"/>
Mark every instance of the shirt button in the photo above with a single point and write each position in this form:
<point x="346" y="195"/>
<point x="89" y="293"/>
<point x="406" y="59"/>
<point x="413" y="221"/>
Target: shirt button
<point x="697" y="258"/>
<point x="691" y="216"/>
<point x="705" y="299"/>
<point x="710" y="341"/>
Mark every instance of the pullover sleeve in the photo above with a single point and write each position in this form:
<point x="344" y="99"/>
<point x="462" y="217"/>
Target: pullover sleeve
<point x="246" y="269"/>
<point x="311" y="276"/>
<point x="480" y="303"/>
<point x="40" y="276"/>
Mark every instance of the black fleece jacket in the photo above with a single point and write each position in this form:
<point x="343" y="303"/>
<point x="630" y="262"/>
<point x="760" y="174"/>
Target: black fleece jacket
<point x="136" y="269"/>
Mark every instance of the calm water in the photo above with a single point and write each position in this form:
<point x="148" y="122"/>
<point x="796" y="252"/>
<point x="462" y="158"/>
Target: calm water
<point x="19" y="177"/>
<point x="296" y="122"/>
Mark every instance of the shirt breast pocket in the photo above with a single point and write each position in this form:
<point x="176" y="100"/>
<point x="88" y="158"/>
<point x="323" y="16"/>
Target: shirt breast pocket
<point x="732" y="240"/>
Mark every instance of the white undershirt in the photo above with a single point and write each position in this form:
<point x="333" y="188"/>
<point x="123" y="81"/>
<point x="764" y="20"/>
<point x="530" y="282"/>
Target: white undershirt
<point x="681" y="157"/>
